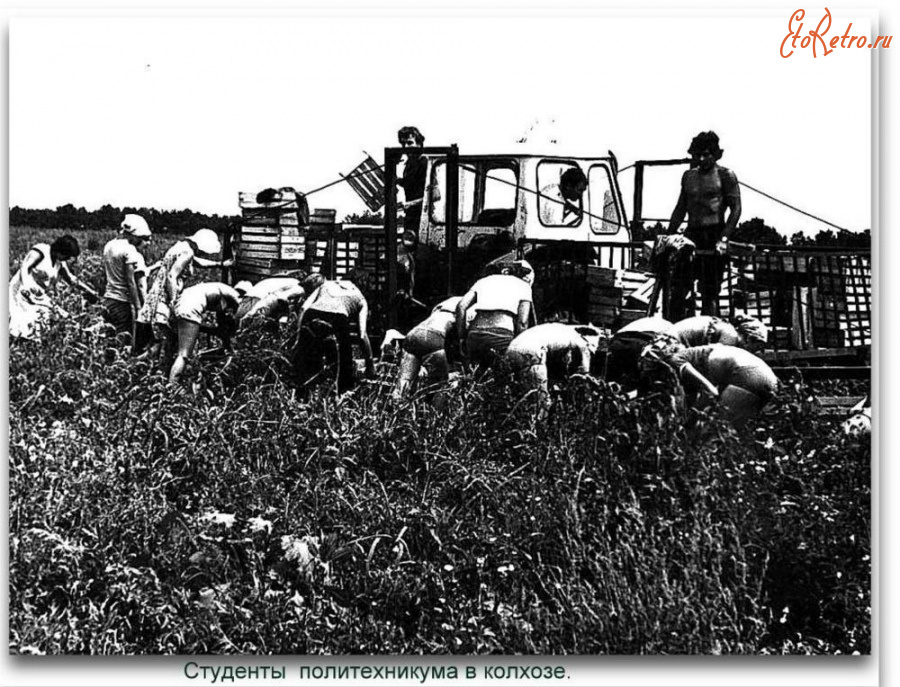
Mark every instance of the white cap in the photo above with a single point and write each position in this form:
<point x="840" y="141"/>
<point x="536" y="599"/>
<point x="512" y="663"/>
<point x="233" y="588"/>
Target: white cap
<point x="206" y="241"/>
<point x="135" y="225"/>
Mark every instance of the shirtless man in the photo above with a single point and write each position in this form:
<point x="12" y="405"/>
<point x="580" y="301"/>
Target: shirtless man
<point x="324" y="323"/>
<point x="552" y="349"/>
<point x="708" y="193"/>
<point x="426" y="345"/>
<point x="503" y="308"/>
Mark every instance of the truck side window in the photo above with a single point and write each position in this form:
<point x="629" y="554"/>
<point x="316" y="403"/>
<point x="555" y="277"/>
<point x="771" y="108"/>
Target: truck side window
<point x="604" y="213"/>
<point x="553" y="209"/>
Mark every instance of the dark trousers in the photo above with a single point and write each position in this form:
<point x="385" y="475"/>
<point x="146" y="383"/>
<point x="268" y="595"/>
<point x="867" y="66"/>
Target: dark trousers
<point x="118" y="314"/>
<point x="707" y="271"/>
<point x="323" y="343"/>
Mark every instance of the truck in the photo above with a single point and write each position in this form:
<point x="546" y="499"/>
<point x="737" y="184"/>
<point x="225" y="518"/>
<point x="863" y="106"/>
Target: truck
<point x="484" y="207"/>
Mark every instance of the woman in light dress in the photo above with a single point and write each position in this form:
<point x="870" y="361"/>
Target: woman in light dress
<point x="30" y="304"/>
<point x="167" y="283"/>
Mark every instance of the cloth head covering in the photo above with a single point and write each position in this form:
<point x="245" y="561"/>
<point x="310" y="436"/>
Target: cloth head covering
<point x="135" y="225"/>
<point x="206" y="241"/>
<point x="751" y="328"/>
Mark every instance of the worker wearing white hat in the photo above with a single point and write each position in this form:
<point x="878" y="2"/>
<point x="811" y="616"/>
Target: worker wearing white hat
<point x="168" y="282"/>
<point x="125" y="273"/>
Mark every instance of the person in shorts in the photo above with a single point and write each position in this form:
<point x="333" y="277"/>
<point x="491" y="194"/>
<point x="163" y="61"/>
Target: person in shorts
<point x="551" y="350"/>
<point x="194" y="302"/>
<point x="426" y="345"/>
<point x="742" y="382"/>
<point x="124" y="267"/>
<point x="493" y="312"/>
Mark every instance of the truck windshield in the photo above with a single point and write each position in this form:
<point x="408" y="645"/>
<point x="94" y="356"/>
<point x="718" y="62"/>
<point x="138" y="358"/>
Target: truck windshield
<point x="488" y="192"/>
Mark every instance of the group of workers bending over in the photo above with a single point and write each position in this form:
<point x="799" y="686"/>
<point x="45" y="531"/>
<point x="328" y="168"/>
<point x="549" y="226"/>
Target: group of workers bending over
<point x="493" y="321"/>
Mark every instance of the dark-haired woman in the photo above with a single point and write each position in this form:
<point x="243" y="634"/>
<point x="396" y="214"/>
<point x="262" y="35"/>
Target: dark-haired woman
<point x="30" y="305"/>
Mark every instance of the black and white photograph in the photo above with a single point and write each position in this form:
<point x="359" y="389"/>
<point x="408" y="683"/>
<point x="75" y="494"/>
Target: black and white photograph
<point x="408" y="332"/>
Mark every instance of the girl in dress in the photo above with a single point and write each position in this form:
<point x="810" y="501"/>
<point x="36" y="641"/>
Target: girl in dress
<point x="30" y="305"/>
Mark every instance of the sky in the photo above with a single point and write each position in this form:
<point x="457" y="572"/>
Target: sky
<point x="184" y="111"/>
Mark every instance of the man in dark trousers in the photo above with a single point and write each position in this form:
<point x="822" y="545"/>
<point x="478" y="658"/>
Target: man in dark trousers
<point x="711" y="199"/>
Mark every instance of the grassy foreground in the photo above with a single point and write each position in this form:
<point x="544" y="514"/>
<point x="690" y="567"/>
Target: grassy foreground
<point x="236" y="516"/>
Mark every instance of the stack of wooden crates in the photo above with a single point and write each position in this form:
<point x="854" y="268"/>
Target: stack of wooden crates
<point x="275" y="238"/>
<point x="617" y="297"/>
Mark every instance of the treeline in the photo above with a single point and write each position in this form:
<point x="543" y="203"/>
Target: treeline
<point x="108" y="217"/>
<point x="756" y="231"/>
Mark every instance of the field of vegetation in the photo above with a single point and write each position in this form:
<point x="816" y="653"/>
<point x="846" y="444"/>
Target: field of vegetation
<point x="235" y="516"/>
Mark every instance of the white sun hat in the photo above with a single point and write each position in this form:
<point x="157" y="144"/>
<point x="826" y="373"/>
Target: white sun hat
<point x="135" y="225"/>
<point x="206" y="241"/>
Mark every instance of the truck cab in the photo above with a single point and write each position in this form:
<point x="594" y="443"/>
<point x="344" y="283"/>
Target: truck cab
<point x="516" y="197"/>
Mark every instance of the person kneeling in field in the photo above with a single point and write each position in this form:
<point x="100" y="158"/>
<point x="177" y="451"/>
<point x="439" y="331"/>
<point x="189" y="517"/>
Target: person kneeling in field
<point x="194" y="302"/>
<point x="503" y="308"/>
<point x="742" y="382"/>
<point x="323" y="333"/>
<point x="743" y="331"/>
<point x="425" y="344"/>
<point x="552" y="349"/>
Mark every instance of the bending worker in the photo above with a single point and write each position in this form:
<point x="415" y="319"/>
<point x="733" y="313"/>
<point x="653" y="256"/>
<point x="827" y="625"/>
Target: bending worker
<point x="744" y="331"/>
<point x="742" y="382"/>
<point x="552" y="349"/>
<point x="426" y="345"/>
<point x="503" y="308"/>
<point x="194" y="302"/>
<point x="324" y="325"/>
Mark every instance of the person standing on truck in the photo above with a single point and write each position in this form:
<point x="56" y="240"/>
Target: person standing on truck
<point x="323" y="333"/>
<point x="414" y="178"/>
<point x="493" y="312"/>
<point x="551" y="349"/>
<point x="711" y="199"/>
<point x="562" y="204"/>
<point x="124" y="267"/>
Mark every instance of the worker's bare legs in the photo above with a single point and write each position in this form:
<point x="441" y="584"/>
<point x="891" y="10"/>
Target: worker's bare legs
<point x="187" y="337"/>
<point x="409" y="372"/>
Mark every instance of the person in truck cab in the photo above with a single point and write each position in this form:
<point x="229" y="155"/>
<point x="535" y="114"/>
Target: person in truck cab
<point x="493" y="312"/>
<point x="711" y="199"/>
<point x="562" y="204"/>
